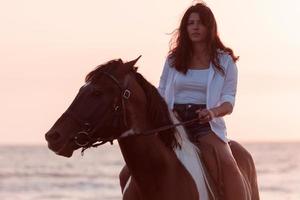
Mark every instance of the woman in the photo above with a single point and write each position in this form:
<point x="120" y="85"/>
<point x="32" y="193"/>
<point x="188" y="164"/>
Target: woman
<point x="199" y="79"/>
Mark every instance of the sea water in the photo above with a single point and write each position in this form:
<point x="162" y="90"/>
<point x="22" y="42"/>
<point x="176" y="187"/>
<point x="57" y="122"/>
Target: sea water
<point x="36" y="173"/>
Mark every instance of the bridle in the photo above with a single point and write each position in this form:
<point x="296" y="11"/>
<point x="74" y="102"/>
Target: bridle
<point x="86" y="138"/>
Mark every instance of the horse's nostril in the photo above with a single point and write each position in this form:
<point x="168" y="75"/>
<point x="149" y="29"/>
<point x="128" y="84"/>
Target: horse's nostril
<point x="52" y="135"/>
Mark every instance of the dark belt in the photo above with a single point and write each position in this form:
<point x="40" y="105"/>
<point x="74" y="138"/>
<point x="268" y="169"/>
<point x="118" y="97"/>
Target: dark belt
<point x="189" y="107"/>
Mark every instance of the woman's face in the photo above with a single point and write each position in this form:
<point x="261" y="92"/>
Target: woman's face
<point x="196" y="30"/>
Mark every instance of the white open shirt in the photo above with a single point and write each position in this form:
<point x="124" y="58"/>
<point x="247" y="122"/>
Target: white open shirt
<point x="220" y="89"/>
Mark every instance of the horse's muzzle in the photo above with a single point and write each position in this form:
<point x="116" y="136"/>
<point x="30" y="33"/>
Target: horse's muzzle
<point x="58" y="145"/>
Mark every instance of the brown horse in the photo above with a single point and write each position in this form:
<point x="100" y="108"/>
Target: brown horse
<point x="118" y="103"/>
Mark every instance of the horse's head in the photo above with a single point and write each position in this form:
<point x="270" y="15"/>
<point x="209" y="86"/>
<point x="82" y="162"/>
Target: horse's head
<point x="98" y="111"/>
<point x="114" y="99"/>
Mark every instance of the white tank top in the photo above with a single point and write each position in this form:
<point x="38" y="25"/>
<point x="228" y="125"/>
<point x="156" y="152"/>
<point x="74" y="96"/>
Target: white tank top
<point x="191" y="88"/>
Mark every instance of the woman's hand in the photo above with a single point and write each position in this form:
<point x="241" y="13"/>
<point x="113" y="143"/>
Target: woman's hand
<point x="205" y="115"/>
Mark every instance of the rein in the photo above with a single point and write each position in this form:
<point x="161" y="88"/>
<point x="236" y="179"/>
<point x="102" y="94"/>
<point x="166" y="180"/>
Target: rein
<point x="131" y="133"/>
<point x="152" y="131"/>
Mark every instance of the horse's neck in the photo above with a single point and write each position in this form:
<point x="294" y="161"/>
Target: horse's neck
<point x="147" y="158"/>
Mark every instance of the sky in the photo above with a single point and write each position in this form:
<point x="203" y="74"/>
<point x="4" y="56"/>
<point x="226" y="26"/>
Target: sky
<point x="47" y="48"/>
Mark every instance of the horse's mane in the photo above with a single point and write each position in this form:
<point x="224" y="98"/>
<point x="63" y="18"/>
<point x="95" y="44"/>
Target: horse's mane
<point x="109" y="67"/>
<point x="157" y="109"/>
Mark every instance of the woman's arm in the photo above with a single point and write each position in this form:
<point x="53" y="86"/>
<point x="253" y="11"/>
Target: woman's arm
<point x="205" y="115"/>
<point x="222" y="110"/>
<point x="230" y="84"/>
<point x="163" y="78"/>
<point x="228" y="94"/>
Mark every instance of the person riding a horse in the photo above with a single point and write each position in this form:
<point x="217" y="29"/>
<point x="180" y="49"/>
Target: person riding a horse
<point x="117" y="103"/>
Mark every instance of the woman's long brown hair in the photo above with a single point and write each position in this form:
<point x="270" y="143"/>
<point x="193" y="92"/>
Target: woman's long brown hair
<point x="181" y="50"/>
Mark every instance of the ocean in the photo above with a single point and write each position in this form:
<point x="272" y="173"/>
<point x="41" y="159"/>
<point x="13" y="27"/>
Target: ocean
<point x="36" y="173"/>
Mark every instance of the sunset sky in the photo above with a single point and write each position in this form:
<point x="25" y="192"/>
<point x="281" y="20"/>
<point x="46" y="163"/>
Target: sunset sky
<point x="47" y="48"/>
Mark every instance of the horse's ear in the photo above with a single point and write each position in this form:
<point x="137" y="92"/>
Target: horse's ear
<point x="131" y="64"/>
